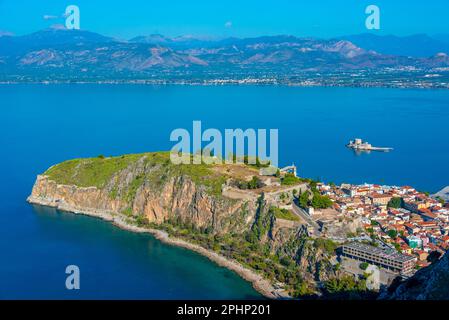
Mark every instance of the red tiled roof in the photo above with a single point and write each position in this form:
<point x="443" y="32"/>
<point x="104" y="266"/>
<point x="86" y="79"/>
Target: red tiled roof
<point x="427" y="223"/>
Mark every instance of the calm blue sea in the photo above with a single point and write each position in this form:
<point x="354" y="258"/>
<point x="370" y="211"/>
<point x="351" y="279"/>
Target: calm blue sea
<point x="43" y="125"/>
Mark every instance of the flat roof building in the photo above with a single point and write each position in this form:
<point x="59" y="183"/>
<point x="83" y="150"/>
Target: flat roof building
<point x="388" y="259"/>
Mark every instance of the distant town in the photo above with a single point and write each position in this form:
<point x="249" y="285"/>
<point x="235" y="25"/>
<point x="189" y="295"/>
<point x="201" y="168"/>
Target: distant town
<point x="386" y="230"/>
<point x="79" y="56"/>
<point x="360" y="79"/>
<point x="401" y="218"/>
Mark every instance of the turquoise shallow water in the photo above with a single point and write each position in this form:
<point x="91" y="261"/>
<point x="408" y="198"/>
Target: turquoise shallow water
<point x="43" y="125"/>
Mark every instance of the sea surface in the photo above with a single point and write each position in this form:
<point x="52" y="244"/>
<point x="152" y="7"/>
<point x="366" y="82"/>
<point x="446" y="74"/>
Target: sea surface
<point x="41" y="125"/>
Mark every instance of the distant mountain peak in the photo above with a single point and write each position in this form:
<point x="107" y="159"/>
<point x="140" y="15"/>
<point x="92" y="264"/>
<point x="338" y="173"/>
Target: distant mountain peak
<point x="347" y="49"/>
<point x="416" y="45"/>
<point x="66" y="52"/>
<point x="152" y="38"/>
<point x="55" y="36"/>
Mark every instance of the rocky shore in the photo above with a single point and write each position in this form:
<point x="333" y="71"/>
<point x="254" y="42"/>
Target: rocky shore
<point x="260" y="284"/>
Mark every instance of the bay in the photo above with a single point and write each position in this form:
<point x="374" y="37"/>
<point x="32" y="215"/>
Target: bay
<point x="41" y="125"/>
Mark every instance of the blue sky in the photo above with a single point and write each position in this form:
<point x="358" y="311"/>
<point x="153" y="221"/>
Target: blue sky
<point x="243" y="18"/>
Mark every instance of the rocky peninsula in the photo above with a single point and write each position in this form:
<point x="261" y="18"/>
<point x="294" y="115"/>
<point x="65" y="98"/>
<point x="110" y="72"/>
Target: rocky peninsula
<point x="203" y="208"/>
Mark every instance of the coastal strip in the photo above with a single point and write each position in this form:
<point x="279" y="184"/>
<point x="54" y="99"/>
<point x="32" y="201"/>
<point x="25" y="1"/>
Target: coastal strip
<point x="259" y="283"/>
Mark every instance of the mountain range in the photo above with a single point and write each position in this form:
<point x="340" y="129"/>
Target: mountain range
<point x="59" y="54"/>
<point x="419" y="45"/>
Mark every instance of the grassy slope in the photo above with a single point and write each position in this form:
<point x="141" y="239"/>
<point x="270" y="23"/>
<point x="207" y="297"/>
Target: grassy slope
<point x="97" y="172"/>
<point x="284" y="214"/>
<point x="247" y="248"/>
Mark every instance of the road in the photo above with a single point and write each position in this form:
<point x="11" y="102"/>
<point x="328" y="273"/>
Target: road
<point x="304" y="216"/>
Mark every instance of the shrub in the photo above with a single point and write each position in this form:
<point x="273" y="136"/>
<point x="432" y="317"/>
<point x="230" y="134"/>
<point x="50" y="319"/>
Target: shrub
<point x="364" y="265"/>
<point x="284" y="214"/>
<point x="290" y="179"/>
<point x="392" y="234"/>
<point x="321" y="202"/>
<point x="395" y="203"/>
<point x="326" y="244"/>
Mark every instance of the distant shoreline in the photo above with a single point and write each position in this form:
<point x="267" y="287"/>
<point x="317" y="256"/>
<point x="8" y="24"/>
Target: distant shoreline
<point x="260" y="284"/>
<point x="226" y="83"/>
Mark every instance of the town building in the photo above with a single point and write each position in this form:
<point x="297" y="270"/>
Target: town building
<point x="388" y="259"/>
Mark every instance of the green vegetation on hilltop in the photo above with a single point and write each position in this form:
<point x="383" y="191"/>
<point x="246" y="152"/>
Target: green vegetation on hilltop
<point x="91" y="172"/>
<point x="99" y="171"/>
<point x="290" y="179"/>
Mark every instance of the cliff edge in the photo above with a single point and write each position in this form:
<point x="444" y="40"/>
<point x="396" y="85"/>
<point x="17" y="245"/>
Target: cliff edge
<point x="187" y="205"/>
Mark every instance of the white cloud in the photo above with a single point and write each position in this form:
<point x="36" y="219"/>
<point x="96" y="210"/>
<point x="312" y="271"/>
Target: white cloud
<point x="50" y="17"/>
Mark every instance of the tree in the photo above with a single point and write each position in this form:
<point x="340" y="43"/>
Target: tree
<point x="364" y="265"/>
<point x="395" y="202"/>
<point x="345" y="284"/>
<point x="397" y="247"/>
<point x="290" y="179"/>
<point x="321" y="202"/>
<point x="304" y="199"/>
<point x="255" y="183"/>
<point x="392" y="234"/>
<point x="325" y="244"/>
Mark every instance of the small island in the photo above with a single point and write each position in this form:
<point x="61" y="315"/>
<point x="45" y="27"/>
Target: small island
<point x="360" y="145"/>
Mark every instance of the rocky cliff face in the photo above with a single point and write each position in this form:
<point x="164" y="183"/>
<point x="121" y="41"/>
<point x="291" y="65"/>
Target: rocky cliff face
<point x="431" y="283"/>
<point x="178" y="197"/>
<point x="189" y="199"/>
